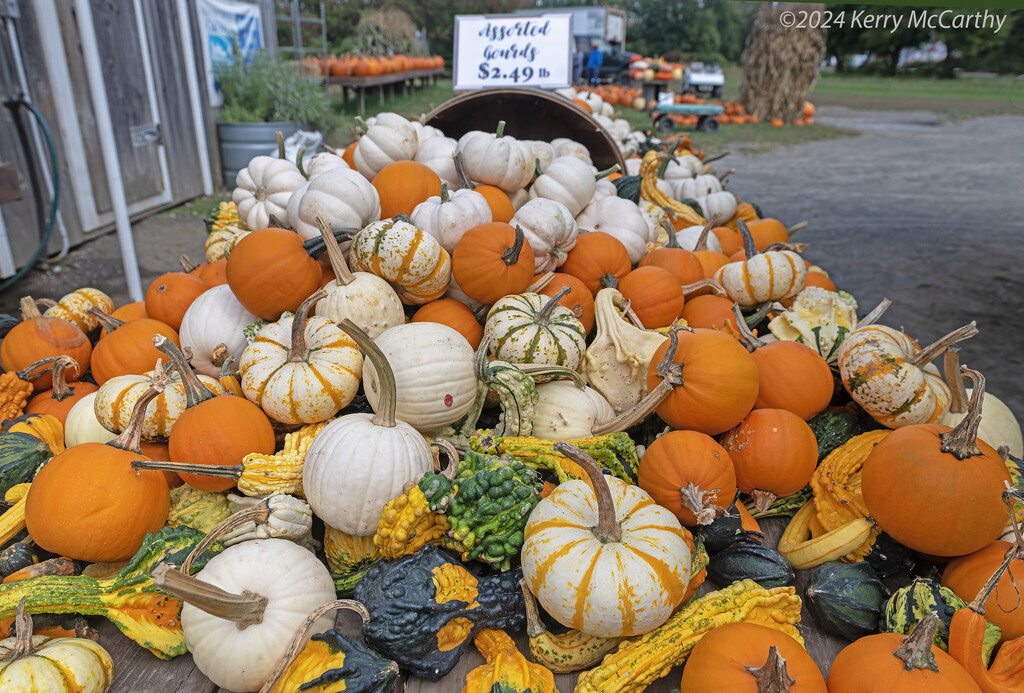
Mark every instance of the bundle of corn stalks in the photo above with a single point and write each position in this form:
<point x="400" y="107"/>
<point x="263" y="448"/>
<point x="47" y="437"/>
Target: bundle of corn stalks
<point x="780" y="64"/>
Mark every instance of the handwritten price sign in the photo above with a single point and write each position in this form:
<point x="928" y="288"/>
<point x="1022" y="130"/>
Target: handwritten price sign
<point x="506" y="51"/>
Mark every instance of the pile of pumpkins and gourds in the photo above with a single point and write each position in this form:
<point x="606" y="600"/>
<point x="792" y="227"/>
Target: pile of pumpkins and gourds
<point x="481" y="388"/>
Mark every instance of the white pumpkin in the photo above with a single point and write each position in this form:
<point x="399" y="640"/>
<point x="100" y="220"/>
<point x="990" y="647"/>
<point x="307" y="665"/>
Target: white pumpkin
<point x="603" y="557"/>
<point x="530" y="328"/>
<point x="293" y="204"/>
<point x="604" y="188"/>
<point x="542" y="152"/>
<point x="321" y="163"/>
<point x="435" y="371"/>
<point x="391" y="138"/>
<point x="448" y="216"/>
<point x="722" y="203"/>
<point x="567" y="147"/>
<point x="689" y="236"/>
<point x="550" y="229"/>
<point x="263" y="188"/>
<point x="424" y="132"/>
<point x="359" y="462"/>
<point x="567" y="180"/>
<point x="620" y="218"/>
<point x="41" y="664"/>
<point x="293" y="582"/>
<point x="565" y="411"/>
<point x="680" y="167"/>
<point x="362" y="297"/>
<point x="215" y="319"/>
<point x="455" y="291"/>
<point x="998" y="427"/>
<point x="496" y="159"/>
<point x="696" y="187"/>
<point x="654" y="216"/>
<point x="301" y="369"/>
<point x="116" y="398"/>
<point x="632" y="167"/>
<point x="436" y="154"/>
<point x="518" y="198"/>
<point x="82" y="426"/>
<point x="342" y="197"/>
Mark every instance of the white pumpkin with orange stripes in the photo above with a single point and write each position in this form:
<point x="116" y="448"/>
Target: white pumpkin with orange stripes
<point x="72" y="307"/>
<point x="774" y="275"/>
<point x="892" y="379"/>
<point x="301" y="369"/>
<point x="413" y="261"/>
<point x="612" y="564"/>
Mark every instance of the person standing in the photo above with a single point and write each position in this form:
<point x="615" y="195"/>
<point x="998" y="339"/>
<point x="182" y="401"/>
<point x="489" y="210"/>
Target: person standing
<point x="594" y="61"/>
<point x="577" y="65"/>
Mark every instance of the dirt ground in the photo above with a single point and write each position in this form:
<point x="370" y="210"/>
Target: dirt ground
<point x="918" y="208"/>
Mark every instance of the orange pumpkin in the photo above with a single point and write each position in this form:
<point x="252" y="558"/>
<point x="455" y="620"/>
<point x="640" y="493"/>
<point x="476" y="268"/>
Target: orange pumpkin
<point x="583" y="105"/>
<point x="170" y="295"/>
<point x="711" y="312"/>
<point x="492" y="260"/>
<point x="819" y="279"/>
<point x="774" y="452"/>
<point x="214" y="273"/>
<point x="935" y="489"/>
<point x="497" y="199"/>
<point x="889" y="662"/>
<point x="448" y="311"/>
<point x="127" y="313"/>
<point x="87" y="503"/>
<point x="680" y="458"/>
<point x="156" y="450"/>
<point x="214" y="430"/>
<point x="713" y="379"/>
<point x="596" y="256"/>
<point x="270" y="272"/>
<point x="349" y="155"/>
<point x="967" y="575"/>
<point x="777" y="122"/>
<point x="37" y="337"/>
<point x="710" y="260"/>
<point x="404" y="184"/>
<point x="748" y="657"/>
<point x="58" y="401"/>
<point x="654" y="294"/>
<point x="579" y="299"/>
<point x="128" y="349"/>
<point x="682" y="263"/>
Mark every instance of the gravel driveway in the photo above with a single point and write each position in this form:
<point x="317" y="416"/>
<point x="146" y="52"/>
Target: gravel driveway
<point x="925" y="211"/>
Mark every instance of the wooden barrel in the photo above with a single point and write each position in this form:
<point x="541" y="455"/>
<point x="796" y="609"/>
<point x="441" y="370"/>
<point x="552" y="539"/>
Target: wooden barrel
<point x="529" y="114"/>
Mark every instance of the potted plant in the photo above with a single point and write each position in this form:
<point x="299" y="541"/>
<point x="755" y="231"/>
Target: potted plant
<point x="261" y="97"/>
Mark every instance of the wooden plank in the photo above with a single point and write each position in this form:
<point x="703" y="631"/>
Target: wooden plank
<point x="10" y="183"/>
<point x="138" y="671"/>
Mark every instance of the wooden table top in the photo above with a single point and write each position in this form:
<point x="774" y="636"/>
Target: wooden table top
<point x="137" y="671"/>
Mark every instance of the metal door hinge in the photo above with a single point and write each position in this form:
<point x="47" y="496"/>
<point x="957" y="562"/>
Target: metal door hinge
<point x="145" y="135"/>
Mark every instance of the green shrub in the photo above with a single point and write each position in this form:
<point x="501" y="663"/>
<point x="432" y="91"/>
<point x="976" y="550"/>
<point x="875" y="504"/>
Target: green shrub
<point x="268" y="90"/>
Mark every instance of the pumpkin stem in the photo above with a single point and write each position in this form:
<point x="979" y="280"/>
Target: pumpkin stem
<point x="747" y="337"/>
<point x="29" y="309"/>
<point x="299" y="156"/>
<point x="607" y="172"/>
<point x="534" y="626"/>
<point x="978" y="605"/>
<point x="716" y="288"/>
<point x="539" y="282"/>
<point x="334" y="253"/>
<point x="799" y="226"/>
<point x="722" y="176"/>
<point x="245" y="609"/>
<point x="195" y="391"/>
<point x="762" y="499"/>
<point x="460" y="170"/>
<point x="500" y="132"/>
<point x="61" y="390"/>
<point x="749" y="249"/>
<point x="220" y="471"/>
<point x="773" y="677"/>
<point x="22" y="634"/>
<point x="511" y="254"/>
<point x="451" y="470"/>
<point x="779" y="245"/>
<point x="630" y="314"/>
<point x="219" y="355"/>
<point x="30" y="371"/>
<point x="186" y="263"/>
<point x="671" y="375"/>
<point x="607" y="529"/>
<point x="543" y="316"/>
<point x="609" y="281"/>
<point x="301" y="635"/>
<point x="543" y="373"/>
<point x="932" y="351"/>
<point x="916" y="650"/>
<point x="384" y="414"/>
<point x="699" y="502"/>
<point x="259" y="513"/>
<point x="536" y="168"/>
<point x="445" y="197"/>
<point x="873" y="317"/>
<point x="109" y="322"/>
<point x="954" y="381"/>
<point x="702" y="240"/>
<point x="298" y="352"/>
<point x="663" y="162"/>
<point x="962" y="441"/>
<point x="280" y="144"/>
<point x="131" y="436"/>
<point x="673" y="239"/>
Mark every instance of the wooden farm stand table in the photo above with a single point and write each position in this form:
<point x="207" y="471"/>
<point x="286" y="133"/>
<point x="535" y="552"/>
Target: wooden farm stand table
<point x="137" y="671"/>
<point x="405" y="81"/>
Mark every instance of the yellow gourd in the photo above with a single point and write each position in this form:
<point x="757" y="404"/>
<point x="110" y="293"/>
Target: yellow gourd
<point x="506" y="670"/>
